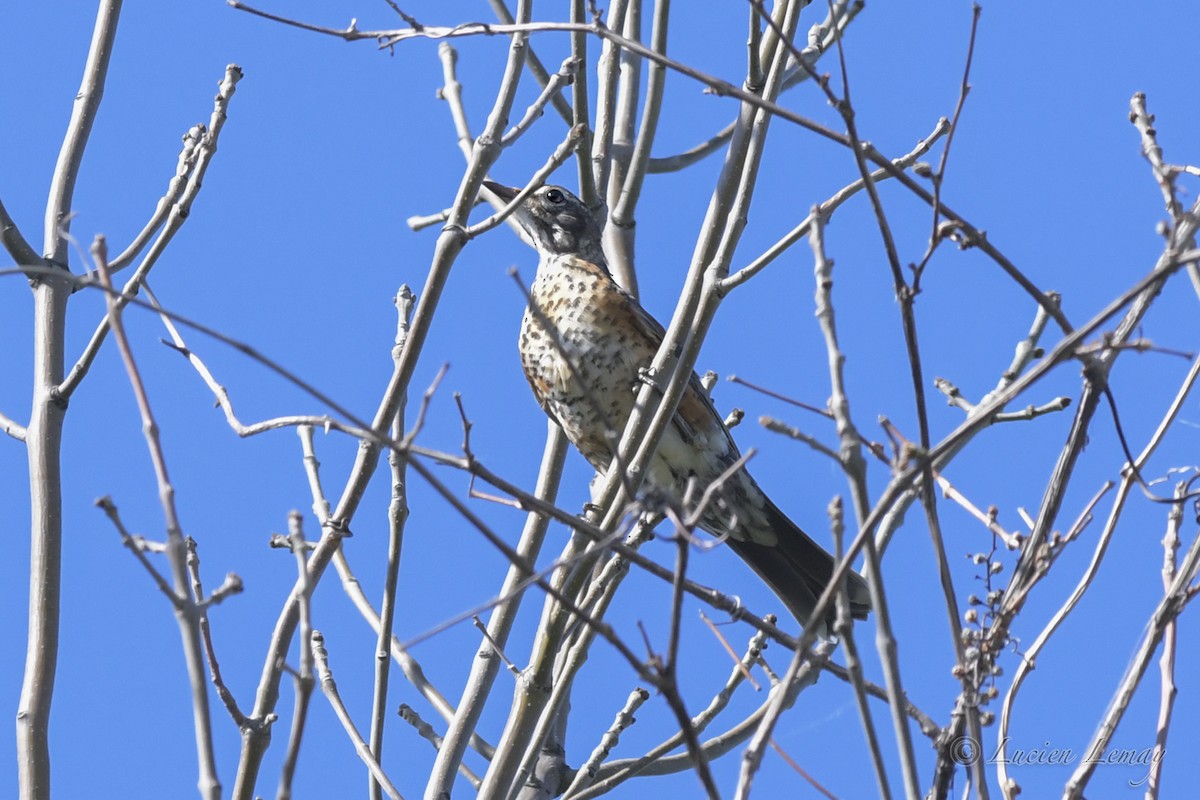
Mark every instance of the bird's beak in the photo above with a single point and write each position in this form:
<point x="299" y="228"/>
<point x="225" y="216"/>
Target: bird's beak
<point x="520" y="214"/>
<point x="505" y="193"/>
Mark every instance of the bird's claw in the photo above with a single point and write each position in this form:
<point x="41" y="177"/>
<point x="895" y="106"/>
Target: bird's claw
<point x="647" y="376"/>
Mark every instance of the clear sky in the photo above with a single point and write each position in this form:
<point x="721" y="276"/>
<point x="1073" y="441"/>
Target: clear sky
<point x="298" y="242"/>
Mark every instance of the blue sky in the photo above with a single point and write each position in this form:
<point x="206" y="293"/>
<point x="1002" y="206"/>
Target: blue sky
<point x="297" y="244"/>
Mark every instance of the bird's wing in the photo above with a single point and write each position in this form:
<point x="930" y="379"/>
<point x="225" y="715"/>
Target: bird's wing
<point x="541" y="394"/>
<point x="696" y="416"/>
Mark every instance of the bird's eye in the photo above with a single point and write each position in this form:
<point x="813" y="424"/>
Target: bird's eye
<point x="555" y="196"/>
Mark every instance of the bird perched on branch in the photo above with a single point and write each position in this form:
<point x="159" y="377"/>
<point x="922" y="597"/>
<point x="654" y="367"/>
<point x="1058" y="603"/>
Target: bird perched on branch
<point x="584" y="343"/>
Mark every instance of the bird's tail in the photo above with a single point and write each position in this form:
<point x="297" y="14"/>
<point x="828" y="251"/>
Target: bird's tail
<point x="798" y="569"/>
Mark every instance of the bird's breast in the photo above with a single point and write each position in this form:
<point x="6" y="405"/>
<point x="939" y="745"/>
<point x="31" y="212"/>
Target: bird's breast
<point x="578" y="355"/>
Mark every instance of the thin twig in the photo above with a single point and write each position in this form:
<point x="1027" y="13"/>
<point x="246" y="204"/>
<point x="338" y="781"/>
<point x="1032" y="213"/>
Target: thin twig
<point x="329" y="687"/>
<point x="179" y="212"/>
<point x="821" y="37"/>
<point x="552" y="89"/>
<point x="1166" y="661"/>
<point x="484" y="668"/>
<point x="535" y="66"/>
<point x="231" y="585"/>
<point x="426" y="732"/>
<point x="825" y="210"/>
<point x="656" y="762"/>
<point x="938" y="176"/>
<point x="556" y="160"/>
<point x="412" y="669"/>
<point x="623" y="720"/>
<point x="14" y="241"/>
<point x="12" y="428"/>
<point x="185" y="165"/>
<point x="397" y="516"/>
<point x="303" y="678"/>
<point x="844" y="628"/>
<point x="135" y="546"/>
<point x="802" y="670"/>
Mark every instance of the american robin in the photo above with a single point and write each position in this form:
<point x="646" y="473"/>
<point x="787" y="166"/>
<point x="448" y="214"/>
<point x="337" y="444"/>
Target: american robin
<point x="584" y="342"/>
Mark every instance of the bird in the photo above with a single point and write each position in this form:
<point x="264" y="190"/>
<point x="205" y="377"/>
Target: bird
<point x="585" y="344"/>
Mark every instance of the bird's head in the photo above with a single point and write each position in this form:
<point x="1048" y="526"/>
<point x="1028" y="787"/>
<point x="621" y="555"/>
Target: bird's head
<point x="556" y="221"/>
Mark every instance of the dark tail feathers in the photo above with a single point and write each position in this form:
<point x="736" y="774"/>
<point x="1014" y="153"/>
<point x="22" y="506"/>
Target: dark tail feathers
<point x="798" y="569"/>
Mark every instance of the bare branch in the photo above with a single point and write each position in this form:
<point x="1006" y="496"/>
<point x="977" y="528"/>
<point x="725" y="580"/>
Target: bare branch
<point x="844" y="629"/>
<point x="624" y="719"/>
<point x="426" y="732"/>
<point x="1166" y="661"/>
<point x="484" y="668"/>
<point x="135" y="546"/>
<point x="14" y="241"/>
<point x="552" y="89"/>
<point x="1169" y="607"/>
<point x="231" y="585"/>
<point x="13" y="428"/>
<point x="535" y="66"/>
<point x="802" y="671"/>
<point x="329" y="687"/>
<point x="178" y="214"/>
<point x="303" y="679"/>
<point x="397" y="517"/>
<point x="187" y="613"/>
<point x="826" y="209"/>
<point x="51" y="281"/>
<point x="187" y="163"/>
<point x="556" y="160"/>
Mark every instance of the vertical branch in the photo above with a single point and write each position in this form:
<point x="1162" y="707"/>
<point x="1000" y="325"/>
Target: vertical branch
<point x="557" y="655"/>
<point x="844" y="628"/>
<point x="606" y="100"/>
<point x="187" y="613"/>
<point x="487" y="659"/>
<point x="623" y="121"/>
<point x="668" y="673"/>
<point x="855" y="467"/>
<point x="581" y="108"/>
<point x="304" y="678"/>
<point x="44" y="431"/>
<point x="620" y="231"/>
<point x="536" y="68"/>
<point x="43" y="438"/>
<point x="1166" y="661"/>
<point x="329" y="687"/>
<point x="83" y="114"/>
<point x="698" y="301"/>
<point x="939" y="175"/>
<point x="397" y="516"/>
<point x="231" y="585"/>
